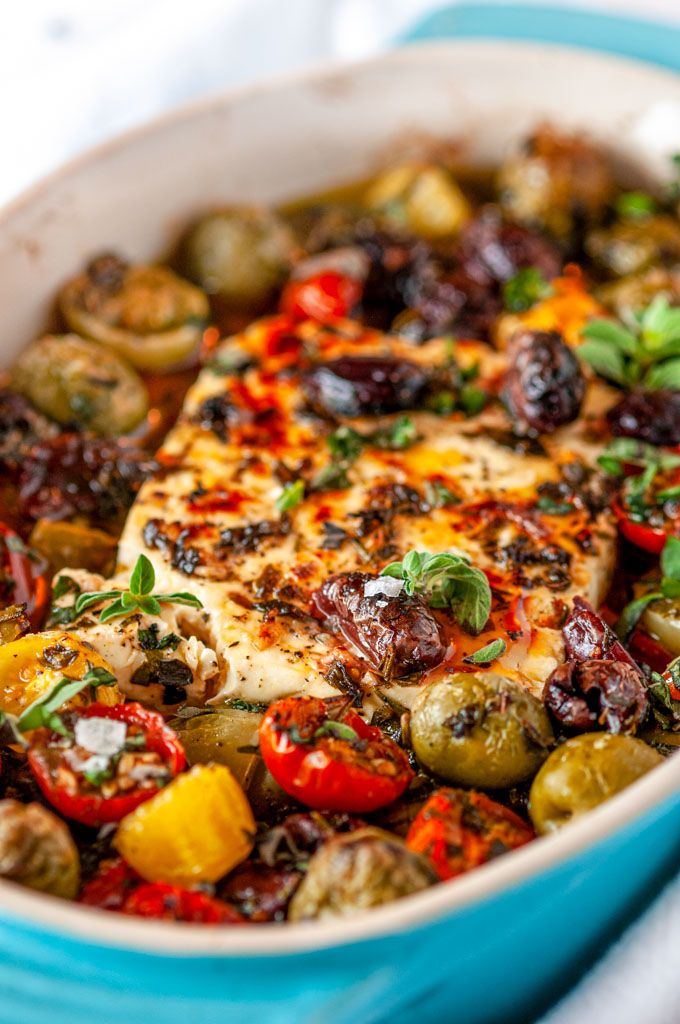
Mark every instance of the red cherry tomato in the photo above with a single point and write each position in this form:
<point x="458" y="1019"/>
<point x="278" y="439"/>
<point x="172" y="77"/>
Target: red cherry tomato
<point x="111" y="886"/>
<point x="172" y="903"/>
<point x="648" y="651"/>
<point x="324" y="296"/>
<point x="331" y="764"/>
<point x="23" y="576"/>
<point x="459" y="830"/>
<point x="57" y="764"/>
<point x="649" y="538"/>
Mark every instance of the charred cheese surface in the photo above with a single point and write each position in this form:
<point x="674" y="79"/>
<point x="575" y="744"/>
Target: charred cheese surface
<point x="209" y="522"/>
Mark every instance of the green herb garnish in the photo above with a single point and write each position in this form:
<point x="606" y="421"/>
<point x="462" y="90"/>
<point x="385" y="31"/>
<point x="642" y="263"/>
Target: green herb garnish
<point x="664" y="690"/>
<point x="525" y="289"/>
<point x="293" y="493"/>
<point x="346" y="445"/>
<point x="124" y="602"/>
<point x="635" y="494"/>
<point x="488" y="653"/>
<point x="42" y="712"/>
<point x="669" y="587"/>
<point x="149" y="639"/>
<point x="635" y="205"/>
<point x="553" y="508"/>
<point x="645" y="350"/>
<point x="446" y="580"/>
<point x="438" y="495"/>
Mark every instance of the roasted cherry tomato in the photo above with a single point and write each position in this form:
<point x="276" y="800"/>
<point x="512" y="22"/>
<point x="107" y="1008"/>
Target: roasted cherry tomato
<point x="648" y="651"/>
<point x="649" y="538"/>
<point x="173" y="903"/>
<point x="324" y="296"/>
<point x="111" y="886"/>
<point x="23" y="576"/>
<point x="99" y="774"/>
<point x="334" y="764"/>
<point x="459" y="830"/>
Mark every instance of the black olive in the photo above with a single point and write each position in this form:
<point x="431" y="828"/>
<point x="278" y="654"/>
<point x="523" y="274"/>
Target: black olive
<point x="596" y="694"/>
<point x="544" y="385"/>
<point x="395" y="633"/>
<point x="365" y="386"/>
<point x="649" y="416"/>
<point x="494" y="249"/>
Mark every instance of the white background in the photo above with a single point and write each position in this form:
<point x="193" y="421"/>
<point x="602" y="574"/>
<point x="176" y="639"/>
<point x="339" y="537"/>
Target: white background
<point x="75" y="71"/>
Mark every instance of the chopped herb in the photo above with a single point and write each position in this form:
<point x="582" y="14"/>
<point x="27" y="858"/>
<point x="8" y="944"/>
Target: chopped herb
<point x="624" y="452"/>
<point x="149" y="639"/>
<point x="438" y="495"/>
<point x="338" y="730"/>
<point x="472" y="400"/>
<point x="664" y="690"/>
<point x="247" y="705"/>
<point x="401" y="434"/>
<point x="644" y="351"/>
<point x="446" y="580"/>
<point x="42" y="712"/>
<point x="488" y="653"/>
<point x="525" y="289"/>
<point x="293" y="493"/>
<point x="635" y="205"/>
<point x="553" y="508"/>
<point x="346" y="445"/>
<point x="142" y="581"/>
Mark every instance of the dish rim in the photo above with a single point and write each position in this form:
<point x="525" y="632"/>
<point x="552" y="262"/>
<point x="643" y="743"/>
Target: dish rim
<point x="88" y="924"/>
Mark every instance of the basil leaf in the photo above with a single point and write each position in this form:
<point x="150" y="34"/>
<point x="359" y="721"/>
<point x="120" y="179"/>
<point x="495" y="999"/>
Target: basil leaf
<point x="488" y="653"/>
<point x="291" y="496"/>
<point x="143" y="577"/>
<point x="670" y="559"/>
<point x="663" y="375"/>
<point x="631" y="614"/>
<point x="40" y="712"/>
<point x="604" y="359"/>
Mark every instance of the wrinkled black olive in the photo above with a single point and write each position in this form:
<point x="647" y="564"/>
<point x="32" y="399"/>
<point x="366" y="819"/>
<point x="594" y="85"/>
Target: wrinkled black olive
<point x="494" y="249"/>
<point x="597" y="693"/>
<point x="395" y="633"/>
<point x="364" y="386"/>
<point x="21" y="425"/>
<point x="649" y="416"/>
<point x="544" y="385"/>
<point x="586" y="635"/>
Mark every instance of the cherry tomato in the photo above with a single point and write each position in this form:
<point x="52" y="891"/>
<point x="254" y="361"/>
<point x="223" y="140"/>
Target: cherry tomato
<point x="59" y="766"/>
<point x="459" y="830"/>
<point x="172" y="903"/>
<point x="111" y="886"/>
<point x="23" y="576"/>
<point x="329" y="763"/>
<point x="649" y="538"/>
<point x="324" y="296"/>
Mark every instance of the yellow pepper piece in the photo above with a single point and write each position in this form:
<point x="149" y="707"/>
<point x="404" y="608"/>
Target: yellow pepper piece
<point x="195" y="830"/>
<point x="30" y="666"/>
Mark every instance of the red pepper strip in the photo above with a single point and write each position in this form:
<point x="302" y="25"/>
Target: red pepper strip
<point x="324" y="770"/>
<point x="172" y="903"/>
<point x="29" y="573"/>
<point x="323" y="297"/>
<point x="111" y="886"/>
<point x="91" y="808"/>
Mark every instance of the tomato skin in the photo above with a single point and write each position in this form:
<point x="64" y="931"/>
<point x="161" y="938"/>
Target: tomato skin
<point x="324" y="296"/>
<point x="166" y="902"/>
<point x="329" y="773"/>
<point x="459" y="830"/>
<point x="646" y="537"/>
<point x="29" y="573"/>
<point x="92" y="808"/>
<point x="111" y="886"/>
<point x="645" y="649"/>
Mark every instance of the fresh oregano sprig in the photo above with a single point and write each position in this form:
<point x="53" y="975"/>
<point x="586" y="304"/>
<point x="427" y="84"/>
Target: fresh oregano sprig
<point x="139" y="595"/>
<point x="447" y="580"/>
<point x="644" y="350"/>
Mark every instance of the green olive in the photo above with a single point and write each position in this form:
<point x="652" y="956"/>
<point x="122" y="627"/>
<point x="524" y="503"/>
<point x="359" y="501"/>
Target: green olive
<point x="633" y="245"/>
<point x="424" y="197"/>
<point x="241" y="254"/>
<point x="635" y="291"/>
<point x="356" y="871"/>
<point x="662" y="620"/>
<point x="480" y="729"/>
<point x="78" y="381"/>
<point x="225" y="736"/>
<point x="147" y="314"/>
<point x="556" y="181"/>
<point x="583" y="773"/>
<point x="36" y="849"/>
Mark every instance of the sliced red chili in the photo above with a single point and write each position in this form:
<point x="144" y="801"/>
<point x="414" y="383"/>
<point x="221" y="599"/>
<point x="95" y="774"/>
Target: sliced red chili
<point x="77" y="796"/>
<point x="459" y="830"/>
<point x="335" y="764"/>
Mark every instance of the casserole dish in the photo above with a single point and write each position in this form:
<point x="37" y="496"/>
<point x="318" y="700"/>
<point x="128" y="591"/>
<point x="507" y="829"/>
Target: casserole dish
<point x="534" y="917"/>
